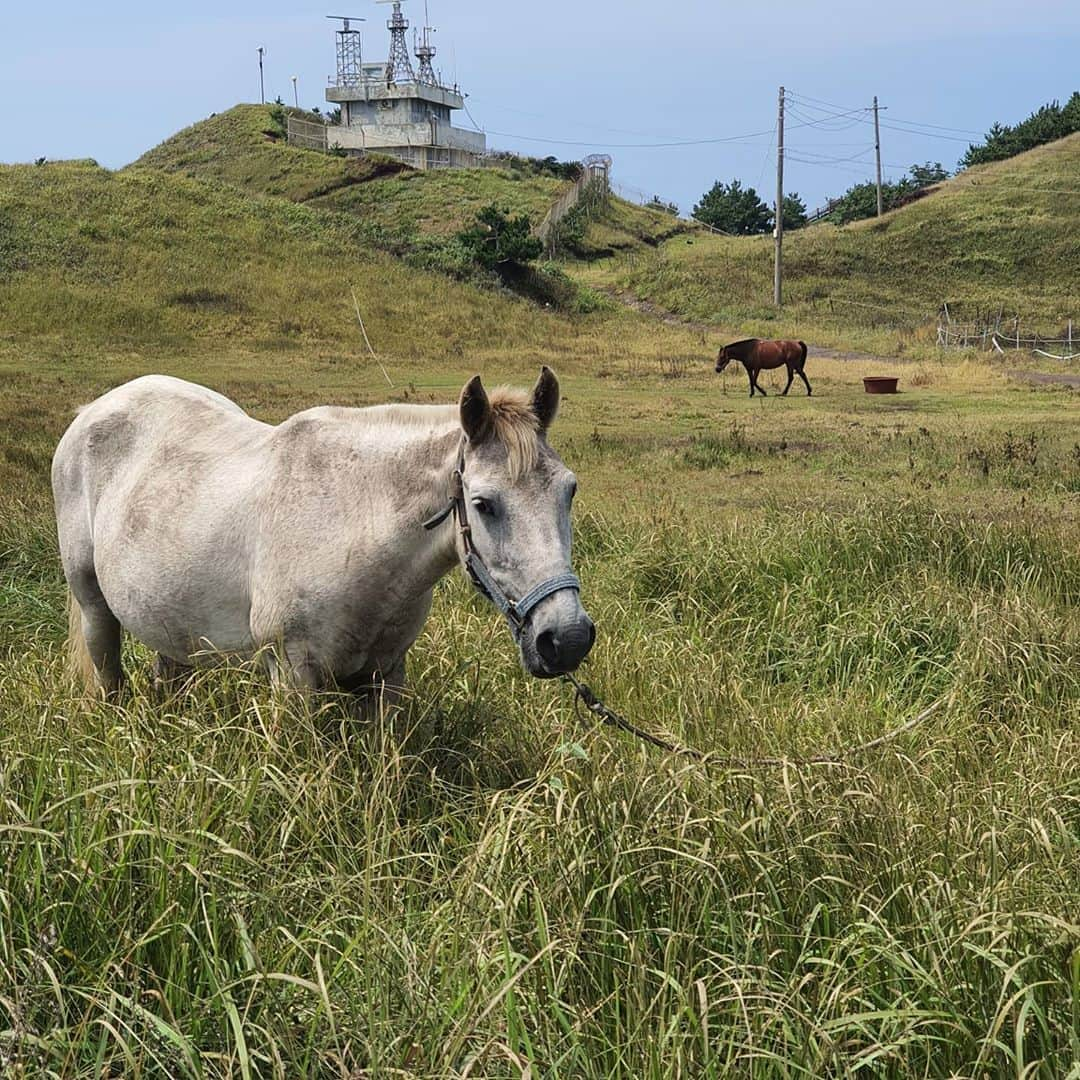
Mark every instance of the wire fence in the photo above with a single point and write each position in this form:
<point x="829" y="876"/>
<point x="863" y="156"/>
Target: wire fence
<point x="309" y="134"/>
<point x="999" y="334"/>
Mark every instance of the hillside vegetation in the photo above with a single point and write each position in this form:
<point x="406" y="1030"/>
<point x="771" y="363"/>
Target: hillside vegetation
<point x="1000" y="236"/>
<point x="243" y="147"/>
<point x="152" y="259"/>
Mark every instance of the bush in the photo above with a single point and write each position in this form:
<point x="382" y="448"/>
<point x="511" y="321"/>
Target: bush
<point x="860" y="200"/>
<point x="498" y="240"/>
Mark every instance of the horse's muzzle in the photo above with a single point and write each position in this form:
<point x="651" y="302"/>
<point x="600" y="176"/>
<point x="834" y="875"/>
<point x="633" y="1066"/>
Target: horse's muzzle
<point x="561" y="649"/>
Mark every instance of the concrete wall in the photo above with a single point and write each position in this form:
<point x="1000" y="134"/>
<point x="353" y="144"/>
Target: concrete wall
<point x="382" y="136"/>
<point x="379" y="91"/>
<point x="393" y="111"/>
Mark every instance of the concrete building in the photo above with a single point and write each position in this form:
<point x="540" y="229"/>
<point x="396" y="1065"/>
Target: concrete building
<point x="391" y="109"/>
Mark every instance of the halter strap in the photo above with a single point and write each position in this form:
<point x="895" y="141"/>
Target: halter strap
<point x="516" y="612"/>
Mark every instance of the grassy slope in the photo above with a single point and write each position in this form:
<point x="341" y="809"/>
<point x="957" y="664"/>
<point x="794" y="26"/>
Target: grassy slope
<point x="148" y="259"/>
<point x="622" y="227"/>
<point x="239" y="147"/>
<point x="1002" y="235"/>
<point x="235" y="881"/>
<point x="242" y="147"/>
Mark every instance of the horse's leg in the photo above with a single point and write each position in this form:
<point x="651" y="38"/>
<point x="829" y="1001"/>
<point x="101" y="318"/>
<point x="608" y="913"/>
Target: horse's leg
<point x="376" y="692"/>
<point x="292" y="664"/>
<point x="802" y="375"/>
<point x="390" y="690"/>
<point x="756" y="385"/>
<point x="750" y="376"/>
<point x="169" y="675"/>
<point x="790" y="379"/>
<point x="100" y="633"/>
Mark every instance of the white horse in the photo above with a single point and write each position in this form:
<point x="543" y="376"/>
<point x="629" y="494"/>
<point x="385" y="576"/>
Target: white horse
<point x="202" y="531"/>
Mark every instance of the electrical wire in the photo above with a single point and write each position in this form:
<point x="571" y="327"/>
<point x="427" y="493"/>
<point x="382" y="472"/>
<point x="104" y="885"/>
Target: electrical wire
<point x="737" y="139"/>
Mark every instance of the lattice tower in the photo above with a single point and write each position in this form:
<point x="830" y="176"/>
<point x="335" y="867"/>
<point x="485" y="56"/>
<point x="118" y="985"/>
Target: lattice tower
<point x="425" y="53"/>
<point x="348" y="51"/>
<point x="398" y="66"/>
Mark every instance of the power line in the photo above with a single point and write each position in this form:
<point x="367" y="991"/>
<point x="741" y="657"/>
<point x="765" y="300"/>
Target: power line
<point x="911" y="127"/>
<point x="636" y="146"/>
<point x="937" y="127"/>
<point x="587" y="127"/>
<point x="925" y="134"/>
<point x="798" y="96"/>
<point x="765" y="158"/>
<point x="734" y="139"/>
<point x="896" y="120"/>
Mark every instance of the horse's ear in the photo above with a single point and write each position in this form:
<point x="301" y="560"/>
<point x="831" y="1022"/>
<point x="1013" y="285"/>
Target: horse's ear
<point x="475" y="411"/>
<point x="545" y="397"/>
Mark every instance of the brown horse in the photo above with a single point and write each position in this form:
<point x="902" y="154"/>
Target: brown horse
<point x="756" y="355"/>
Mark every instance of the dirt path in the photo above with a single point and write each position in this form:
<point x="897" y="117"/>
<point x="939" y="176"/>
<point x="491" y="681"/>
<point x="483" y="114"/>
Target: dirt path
<point x="646" y="307"/>
<point x="1045" y="378"/>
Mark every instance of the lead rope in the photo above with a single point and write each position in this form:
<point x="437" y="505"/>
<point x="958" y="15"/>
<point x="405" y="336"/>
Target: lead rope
<point x="584" y="696"/>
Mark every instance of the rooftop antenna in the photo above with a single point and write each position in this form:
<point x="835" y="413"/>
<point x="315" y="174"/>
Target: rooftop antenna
<point x="425" y="52"/>
<point x="398" y="66"/>
<point x="348" y="51"/>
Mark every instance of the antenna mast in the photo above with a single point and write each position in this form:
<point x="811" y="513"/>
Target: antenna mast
<point x="425" y="52"/>
<point x="398" y="66"/>
<point x="348" y="51"/>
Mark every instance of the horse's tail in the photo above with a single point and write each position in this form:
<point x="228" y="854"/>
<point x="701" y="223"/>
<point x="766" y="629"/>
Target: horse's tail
<point x="802" y="345"/>
<point x="80" y="665"/>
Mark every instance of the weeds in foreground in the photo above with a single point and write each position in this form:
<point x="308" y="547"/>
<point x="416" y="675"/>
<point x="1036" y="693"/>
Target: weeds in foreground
<point x="242" y="882"/>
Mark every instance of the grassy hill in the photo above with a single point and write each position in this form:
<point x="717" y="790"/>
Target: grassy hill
<point x="153" y="259"/>
<point x="244" y="147"/>
<point x="998" y="236"/>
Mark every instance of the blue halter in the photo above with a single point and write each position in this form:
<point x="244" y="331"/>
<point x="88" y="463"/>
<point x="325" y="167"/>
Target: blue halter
<point x="516" y="612"/>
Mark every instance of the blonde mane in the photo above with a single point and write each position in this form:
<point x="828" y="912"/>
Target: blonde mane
<point x="516" y="427"/>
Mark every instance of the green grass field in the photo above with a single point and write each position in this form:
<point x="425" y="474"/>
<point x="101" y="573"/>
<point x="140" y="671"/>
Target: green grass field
<point x="241" y="882"/>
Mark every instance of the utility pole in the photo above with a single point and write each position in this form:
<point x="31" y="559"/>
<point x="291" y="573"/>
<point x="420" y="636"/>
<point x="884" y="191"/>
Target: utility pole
<point x="295" y="93"/>
<point x="877" y="151"/>
<point x="262" y="85"/>
<point x="778" y="232"/>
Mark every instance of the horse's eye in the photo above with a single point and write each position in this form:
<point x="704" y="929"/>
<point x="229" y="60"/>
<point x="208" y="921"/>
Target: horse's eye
<point x="484" y="507"/>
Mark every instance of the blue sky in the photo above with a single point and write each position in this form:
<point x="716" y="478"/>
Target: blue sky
<point x="113" y="81"/>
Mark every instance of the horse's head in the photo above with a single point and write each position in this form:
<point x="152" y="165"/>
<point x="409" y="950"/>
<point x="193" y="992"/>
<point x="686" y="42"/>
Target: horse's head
<point x="722" y="360"/>
<point x="517" y="495"/>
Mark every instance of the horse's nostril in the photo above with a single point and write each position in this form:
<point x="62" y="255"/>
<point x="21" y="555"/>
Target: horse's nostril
<point x="547" y="648"/>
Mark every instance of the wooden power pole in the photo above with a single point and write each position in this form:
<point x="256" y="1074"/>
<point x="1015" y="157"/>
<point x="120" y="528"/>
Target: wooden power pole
<point x="262" y="85"/>
<point x="877" y="151"/>
<point x="778" y="232"/>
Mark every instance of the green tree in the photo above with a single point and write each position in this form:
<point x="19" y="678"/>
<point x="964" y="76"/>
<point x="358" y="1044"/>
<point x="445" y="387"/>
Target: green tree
<point x="926" y="174"/>
<point x="794" y="212"/>
<point x="498" y="241"/>
<point x="734" y="209"/>
<point x="1050" y="122"/>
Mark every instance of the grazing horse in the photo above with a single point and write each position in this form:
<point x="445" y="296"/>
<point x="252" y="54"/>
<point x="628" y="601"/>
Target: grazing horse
<point x="756" y="355"/>
<point x="315" y="543"/>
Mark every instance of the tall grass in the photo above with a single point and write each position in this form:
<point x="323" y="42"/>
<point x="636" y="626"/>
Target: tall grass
<point x="240" y="882"/>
